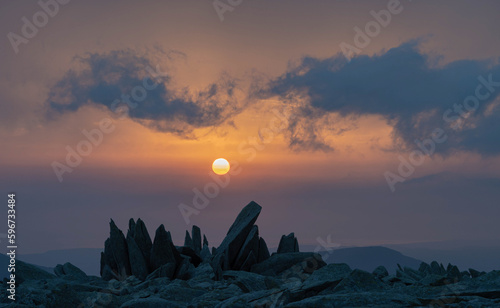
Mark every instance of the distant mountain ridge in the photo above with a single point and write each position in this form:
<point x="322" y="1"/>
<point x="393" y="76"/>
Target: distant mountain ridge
<point x="368" y="258"/>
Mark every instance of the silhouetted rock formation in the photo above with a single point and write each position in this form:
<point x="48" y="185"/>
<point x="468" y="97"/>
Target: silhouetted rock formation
<point x="240" y="273"/>
<point x="288" y="243"/>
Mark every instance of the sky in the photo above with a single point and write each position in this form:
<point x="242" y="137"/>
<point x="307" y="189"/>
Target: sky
<point x="365" y="122"/>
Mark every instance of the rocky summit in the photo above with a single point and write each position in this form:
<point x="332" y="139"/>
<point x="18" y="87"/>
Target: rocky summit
<point x="139" y="272"/>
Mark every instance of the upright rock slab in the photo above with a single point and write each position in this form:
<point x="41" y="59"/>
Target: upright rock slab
<point x="288" y="243"/>
<point x="116" y="252"/>
<point x="196" y="234"/>
<point x="236" y="236"/>
<point x="163" y="250"/>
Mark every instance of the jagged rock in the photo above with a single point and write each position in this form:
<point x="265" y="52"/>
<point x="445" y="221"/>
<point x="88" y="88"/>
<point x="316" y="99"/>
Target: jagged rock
<point x="294" y="263"/>
<point x="251" y="244"/>
<point x="138" y="264"/>
<point x="196" y="233"/>
<point x="166" y="270"/>
<point x="288" y="243"/>
<point x="263" y="251"/>
<point x="453" y="273"/>
<point x="205" y="241"/>
<point x="380" y="272"/>
<point x="474" y="273"/>
<point x="237" y="235"/>
<point x="163" y="250"/>
<point x="425" y="269"/>
<point x="142" y="239"/>
<point x="188" y="241"/>
<point x="188" y="251"/>
<point x="116" y="252"/>
<point x="437" y="269"/>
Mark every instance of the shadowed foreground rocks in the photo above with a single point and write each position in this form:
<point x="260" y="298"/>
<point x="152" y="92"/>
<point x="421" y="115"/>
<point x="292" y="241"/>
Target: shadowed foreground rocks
<point x="139" y="272"/>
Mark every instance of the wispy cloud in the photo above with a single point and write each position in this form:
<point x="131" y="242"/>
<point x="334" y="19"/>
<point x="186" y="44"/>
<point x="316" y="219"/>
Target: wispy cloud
<point x="104" y="78"/>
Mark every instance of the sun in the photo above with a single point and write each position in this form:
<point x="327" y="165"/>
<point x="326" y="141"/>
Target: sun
<point x="220" y="166"/>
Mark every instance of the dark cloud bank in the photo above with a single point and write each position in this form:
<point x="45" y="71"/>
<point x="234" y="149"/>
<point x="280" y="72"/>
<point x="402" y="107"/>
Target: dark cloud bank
<point x="407" y="88"/>
<point x="403" y="85"/>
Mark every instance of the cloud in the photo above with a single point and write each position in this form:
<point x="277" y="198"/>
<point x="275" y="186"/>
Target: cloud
<point x="123" y="78"/>
<point x="403" y="85"/>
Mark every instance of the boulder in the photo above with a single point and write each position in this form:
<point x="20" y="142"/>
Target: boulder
<point x="288" y="243"/>
<point x="163" y="250"/>
<point x="357" y="281"/>
<point x="279" y="263"/>
<point x="327" y="276"/>
<point x="380" y="272"/>
<point x="69" y="271"/>
<point x="236" y="236"/>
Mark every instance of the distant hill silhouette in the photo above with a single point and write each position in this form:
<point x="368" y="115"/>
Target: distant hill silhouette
<point x="367" y="258"/>
<point x="4" y="263"/>
<point x="87" y="259"/>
